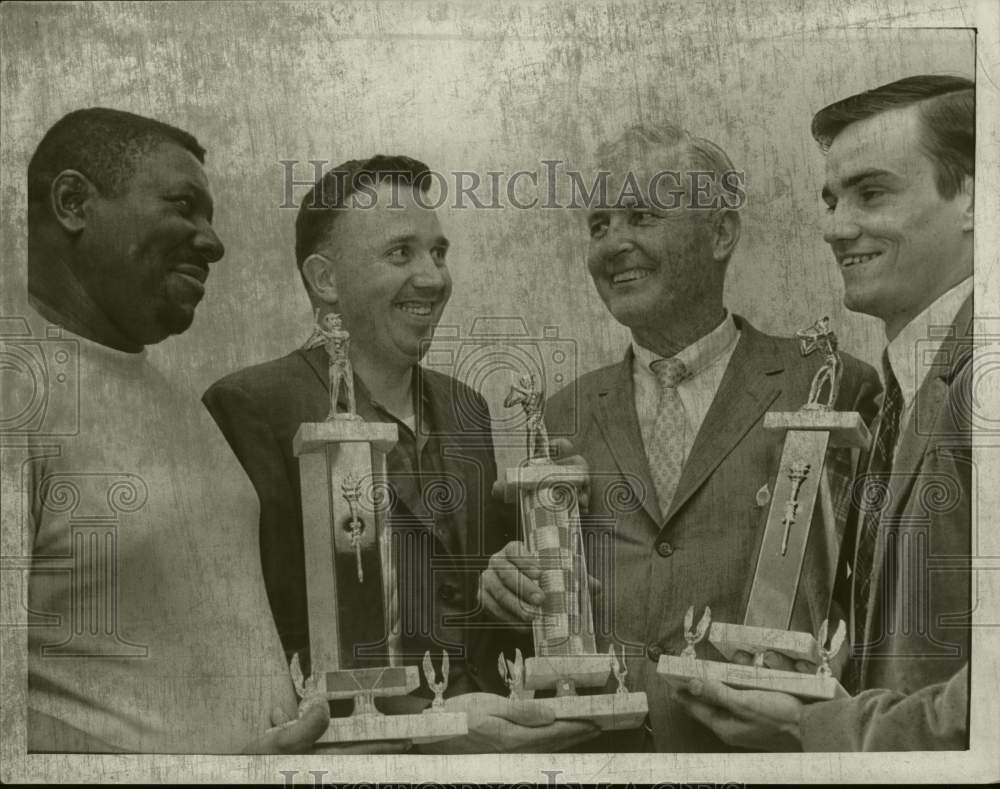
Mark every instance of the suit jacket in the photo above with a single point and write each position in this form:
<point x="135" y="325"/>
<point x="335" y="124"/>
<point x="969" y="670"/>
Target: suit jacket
<point x="913" y="660"/>
<point x="703" y="551"/>
<point x="259" y="410"/>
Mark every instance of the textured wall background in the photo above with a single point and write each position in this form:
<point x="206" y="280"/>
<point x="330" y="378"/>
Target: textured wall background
<point x="462" y="88"/>
<point x="469" y="87"/>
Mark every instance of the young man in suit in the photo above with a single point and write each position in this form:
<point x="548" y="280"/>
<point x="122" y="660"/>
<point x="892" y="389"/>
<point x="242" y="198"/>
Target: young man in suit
<point x="680" y="462"/>
<point x="370" y="250"/>
<point x="899" y="195"/>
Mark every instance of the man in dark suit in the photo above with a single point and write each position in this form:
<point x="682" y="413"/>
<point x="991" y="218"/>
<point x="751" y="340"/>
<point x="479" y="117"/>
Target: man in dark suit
<point x="899" y="192"/>
<point x="370" y="250"/>
<point x="681" y="467"/>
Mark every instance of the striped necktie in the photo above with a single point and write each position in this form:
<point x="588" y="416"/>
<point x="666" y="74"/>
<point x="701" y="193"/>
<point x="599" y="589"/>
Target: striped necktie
<point x="666" y="450"/>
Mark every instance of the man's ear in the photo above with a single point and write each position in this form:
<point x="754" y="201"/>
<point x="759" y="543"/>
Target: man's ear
<point x="319" y="274"/>
<point x="968" y="193"/>
<point x="68" y="196"/>
<point x="727" y="234"/>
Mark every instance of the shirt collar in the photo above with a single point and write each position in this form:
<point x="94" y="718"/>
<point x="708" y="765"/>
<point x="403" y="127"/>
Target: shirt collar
<point x="700" y="354"/>
<point x="912" y="351"/>
<point x="372" y="409"/>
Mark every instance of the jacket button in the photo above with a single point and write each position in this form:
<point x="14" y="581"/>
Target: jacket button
<point x="653" y="652"/>
<point x="664" y="548"/>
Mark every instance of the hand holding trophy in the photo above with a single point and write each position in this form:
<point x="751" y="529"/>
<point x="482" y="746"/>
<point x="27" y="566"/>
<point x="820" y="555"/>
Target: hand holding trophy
<point x="566" y="656"/>
<point x="801" y="486"/>
<point x="354" y="627"/>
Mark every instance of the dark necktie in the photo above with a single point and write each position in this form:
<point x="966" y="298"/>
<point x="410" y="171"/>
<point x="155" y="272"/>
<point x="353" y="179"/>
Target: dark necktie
<point x="875" y="498"/>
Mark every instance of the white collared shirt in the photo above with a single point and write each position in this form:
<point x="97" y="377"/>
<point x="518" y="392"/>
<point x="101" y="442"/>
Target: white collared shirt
<point x="706" y="359"/>
<point x="913" y="350"/>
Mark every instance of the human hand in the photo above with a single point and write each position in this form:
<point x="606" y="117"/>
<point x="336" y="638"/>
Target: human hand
<point x="299" y="735"/>
<point x="502" y="725"/>
<point x="782" y="662"/>
<point x="288" y="735"/>
<point x="508" y="587"/>
<point x="777" y="661"/>
<point x="756" y="719"/>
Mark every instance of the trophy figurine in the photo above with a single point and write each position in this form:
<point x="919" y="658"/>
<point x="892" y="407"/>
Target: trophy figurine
<point x="350" y="561"/>
<point x="566" y="656"/>
<point x="820" y="337"/>
<point x="437" y="688"/>
<point x="620" y="669"/>
<point x="692" y="635"/>
<point x="802" y="502"/>
<point x="329" y="332"/>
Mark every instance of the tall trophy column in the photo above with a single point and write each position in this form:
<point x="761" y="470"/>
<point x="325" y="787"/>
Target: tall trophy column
<point x="565" y="657"/>
<point x="350" y="562"/>
<point x="801" y="493"/>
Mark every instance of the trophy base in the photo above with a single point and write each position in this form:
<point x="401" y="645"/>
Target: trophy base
<point x="846" y="428"/>
<point x="804" y="686"/>
<point x="582" y="671"/>
<point x="384" y="681"/>
<point x="610" y="711"/>
<point x="730" y="639"/>
<point x="428" y="726"/>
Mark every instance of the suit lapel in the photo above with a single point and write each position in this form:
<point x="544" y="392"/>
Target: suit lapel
<point x="928" y="402"/>
<point x="319" y="362"/>
<point x="615" y="414"/>
<point x="748" y="387"/>
<point x="433" y="393"/>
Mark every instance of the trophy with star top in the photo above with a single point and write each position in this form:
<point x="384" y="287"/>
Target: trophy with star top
<point x="350" y="561"/>
<point x="566" y="658"/>
<point x="802" y="502"/>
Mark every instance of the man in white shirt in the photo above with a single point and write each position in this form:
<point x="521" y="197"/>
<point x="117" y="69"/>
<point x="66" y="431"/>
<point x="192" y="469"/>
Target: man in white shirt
<point x="899" y="195"/>
<point x="681" y="467"/>
<point x="149" y="628"/>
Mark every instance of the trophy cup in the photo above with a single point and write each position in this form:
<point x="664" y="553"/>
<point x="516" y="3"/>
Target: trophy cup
<point x="802" y="485"/>
<point x="350" y="559"/>
<point x="566" y="657"/>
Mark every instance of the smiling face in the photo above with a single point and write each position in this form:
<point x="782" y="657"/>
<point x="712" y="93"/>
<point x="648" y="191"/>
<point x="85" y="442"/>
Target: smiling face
<point x="145" y="252"/>
<point x="392" y="281"/>
<point x="899" y="244"/>
<point x="656" y="269"/>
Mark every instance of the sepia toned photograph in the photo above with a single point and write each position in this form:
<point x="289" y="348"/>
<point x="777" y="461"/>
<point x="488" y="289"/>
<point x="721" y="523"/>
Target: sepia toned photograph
<point x="452" y="393"/>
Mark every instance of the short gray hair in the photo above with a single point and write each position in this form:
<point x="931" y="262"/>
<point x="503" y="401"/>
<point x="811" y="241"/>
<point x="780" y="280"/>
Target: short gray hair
<point x="700" y="153"/>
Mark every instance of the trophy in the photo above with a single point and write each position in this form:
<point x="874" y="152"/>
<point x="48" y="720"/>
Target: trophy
<point x="802" y="488"/>
<point x="565" y="657"/>
<point x="350" y="560"/>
